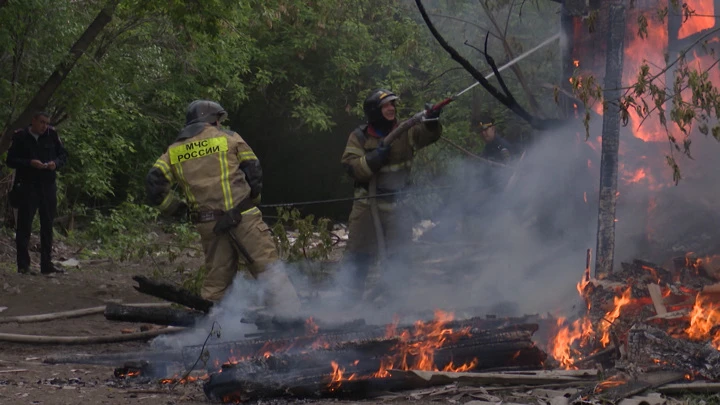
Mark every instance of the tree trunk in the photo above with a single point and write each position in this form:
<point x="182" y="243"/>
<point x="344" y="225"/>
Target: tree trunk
<point x="610" y="141"/>
<point x="43" y="95"/>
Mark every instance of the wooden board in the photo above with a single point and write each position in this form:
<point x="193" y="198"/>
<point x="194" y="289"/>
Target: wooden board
<point x="657" y="299"/>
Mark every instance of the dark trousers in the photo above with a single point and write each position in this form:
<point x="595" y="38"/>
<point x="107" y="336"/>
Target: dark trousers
<point x="42" y="198"/>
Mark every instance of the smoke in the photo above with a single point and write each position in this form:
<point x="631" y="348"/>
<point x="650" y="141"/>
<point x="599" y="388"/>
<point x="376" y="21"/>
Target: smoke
<point x="223" y="323"/>
<point x="519" y="249"/>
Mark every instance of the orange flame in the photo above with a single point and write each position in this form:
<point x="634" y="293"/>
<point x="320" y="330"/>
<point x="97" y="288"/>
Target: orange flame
<point x="611" y="382"/>
<point x="703" y="318"/>
<point x="337" y="376"/>
<point x="561" y="346"/>
<point x="703" y="19"/>
<point x="311" y="327"/>
<point x="416" y="350"/>
<point x="611" y="316"/>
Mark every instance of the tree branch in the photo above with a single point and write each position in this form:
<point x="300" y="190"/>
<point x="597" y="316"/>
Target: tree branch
<point x="480" y="27"/>
<point x="510" y="103"/>
<point x="534" y="106"/>
<point x="43" y="95"/>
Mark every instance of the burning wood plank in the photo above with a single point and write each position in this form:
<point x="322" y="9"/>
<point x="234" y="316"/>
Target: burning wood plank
<point x="360" y="366"/>
<point x="217" y="354"/>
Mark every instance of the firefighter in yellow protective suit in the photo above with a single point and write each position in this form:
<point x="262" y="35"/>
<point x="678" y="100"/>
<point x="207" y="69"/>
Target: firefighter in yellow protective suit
<point x="365" y="157"/>
<point x="221" y="179"/>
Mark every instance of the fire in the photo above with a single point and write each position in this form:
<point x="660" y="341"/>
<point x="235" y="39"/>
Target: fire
<point x="614" y="381"/>
<point x="337" y="376"/>
<point x="703" y="318"/>
<point x="311" y="327"/>
<point x="564" y="346"/>
<point x="416" y="349"/>
<point x="704" y="19"/>
<point x="184" y="380"/>
<point x="650" y="51"/>
<point x="561" y="347"/>
<point x="637" y="176"/>
<point x="611" y="316"/>
<point x="698" y="264"/>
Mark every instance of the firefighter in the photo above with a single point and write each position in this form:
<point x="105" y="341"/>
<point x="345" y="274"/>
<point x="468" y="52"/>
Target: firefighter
<point x="221" y="179"/>
<point x="496" y="147"/>
<point x="365" y="157"/>
<point x="36" y="153"/>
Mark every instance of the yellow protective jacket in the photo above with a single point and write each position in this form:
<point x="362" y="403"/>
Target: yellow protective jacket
<point x="361" y="160"/>
<point x="214" y="168"/>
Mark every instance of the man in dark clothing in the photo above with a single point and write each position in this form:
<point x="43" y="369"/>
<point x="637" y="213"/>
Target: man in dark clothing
<point x="496" y="148"/>
<point x="36" y="153"/>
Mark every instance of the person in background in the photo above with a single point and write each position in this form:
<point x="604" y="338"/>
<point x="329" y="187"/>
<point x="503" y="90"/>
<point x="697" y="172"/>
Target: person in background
<point x="496" y="147"/>
<point x="36" y="154"/>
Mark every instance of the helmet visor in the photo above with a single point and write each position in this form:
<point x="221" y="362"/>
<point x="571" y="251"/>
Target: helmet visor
<point x="386" y="98"/>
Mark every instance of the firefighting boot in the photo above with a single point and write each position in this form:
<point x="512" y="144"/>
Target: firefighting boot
<point x="278" y="294"/>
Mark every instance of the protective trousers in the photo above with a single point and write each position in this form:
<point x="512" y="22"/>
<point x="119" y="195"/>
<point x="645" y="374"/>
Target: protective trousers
<point x="222" y="260"/>
<point x="362" y="248"/>
<point x="42" y="198"/>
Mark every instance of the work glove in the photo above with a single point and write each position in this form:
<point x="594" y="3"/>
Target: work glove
<point x="505" y="154"/>
<point x="430" y="114"/>
<point x="228" y="221"/>
<point x="181" y="211"/>
<point x="378" y="157"/>
<point x="383" y="152"/>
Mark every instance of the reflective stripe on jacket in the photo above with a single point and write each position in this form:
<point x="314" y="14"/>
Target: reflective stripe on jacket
<point x="213" y="169"/>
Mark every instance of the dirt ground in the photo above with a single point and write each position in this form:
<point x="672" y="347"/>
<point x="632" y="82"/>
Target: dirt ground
<point x="25" y="379"/>
<point x="24" y="376"/>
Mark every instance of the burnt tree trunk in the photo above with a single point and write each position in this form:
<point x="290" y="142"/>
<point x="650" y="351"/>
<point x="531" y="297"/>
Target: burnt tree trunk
<point x="610" y="141"/>
<point x="43" y="95"/>
<point x="158" y="316"/>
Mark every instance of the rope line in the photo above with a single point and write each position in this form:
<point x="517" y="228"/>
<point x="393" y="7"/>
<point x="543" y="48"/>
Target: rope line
<point x="334" y="200"/>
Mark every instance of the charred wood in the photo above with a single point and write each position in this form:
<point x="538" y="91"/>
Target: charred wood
<point x="172" y="293"/>
<point x="216" y="354"/>
<point x="309" y="374"/>
<point x="276" y="325"/>
<point x="112" y="359"/>
<point x="650" y="344"/>
<point x="264" y="378"/>
<point x="158" y="316"/>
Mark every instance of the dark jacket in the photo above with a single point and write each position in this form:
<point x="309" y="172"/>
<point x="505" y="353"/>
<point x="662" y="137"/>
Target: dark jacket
<point x="25" y="148"/>
<point x="498" y="150"/>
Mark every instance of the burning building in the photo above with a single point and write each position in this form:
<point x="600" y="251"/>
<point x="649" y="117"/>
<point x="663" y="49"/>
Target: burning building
<point x="658" y="216"/>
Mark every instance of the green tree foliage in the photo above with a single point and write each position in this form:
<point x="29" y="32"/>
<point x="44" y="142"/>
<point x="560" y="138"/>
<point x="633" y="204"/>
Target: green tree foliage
<point x="292" y="73"/>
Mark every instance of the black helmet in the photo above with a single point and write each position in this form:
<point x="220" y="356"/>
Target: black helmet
<point x="204" y="111"/>
<point x="374" y="102"/>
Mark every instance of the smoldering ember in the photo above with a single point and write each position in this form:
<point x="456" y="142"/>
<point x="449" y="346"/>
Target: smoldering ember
<point x="562" y="292"/>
